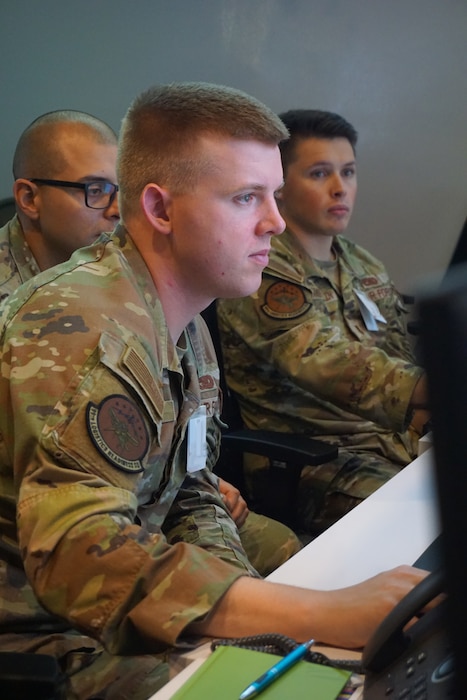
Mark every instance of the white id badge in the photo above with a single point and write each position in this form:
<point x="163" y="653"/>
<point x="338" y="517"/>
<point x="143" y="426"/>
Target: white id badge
<point x="369" y="310"/>
<point x="196" y="447"/>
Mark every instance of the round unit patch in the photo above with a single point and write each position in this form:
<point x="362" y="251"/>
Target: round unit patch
<point x="285" y="300"/>
<point x="117" y="429"/>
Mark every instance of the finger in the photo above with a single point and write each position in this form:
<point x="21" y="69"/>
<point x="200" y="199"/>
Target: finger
<point x="241" y="517"/>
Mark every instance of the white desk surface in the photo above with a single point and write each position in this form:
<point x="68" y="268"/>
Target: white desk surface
<point x="392" y="526"/>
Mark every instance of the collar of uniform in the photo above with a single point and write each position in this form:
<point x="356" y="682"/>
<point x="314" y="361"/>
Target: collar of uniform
<point x="20" y="251"/>
<point x="287" y="258"/>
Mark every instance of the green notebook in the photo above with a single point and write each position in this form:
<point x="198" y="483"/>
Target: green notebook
<point x="229" y="670"/>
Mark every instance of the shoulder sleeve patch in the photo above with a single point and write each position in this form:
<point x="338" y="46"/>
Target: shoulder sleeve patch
<point x="285" y="300"/>
<point x="117" y="428"/>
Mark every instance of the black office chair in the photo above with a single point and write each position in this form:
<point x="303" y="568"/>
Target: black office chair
<point x="30" y="677"/>
<point x="7" y="210"/>
<point x="287" y="453"/>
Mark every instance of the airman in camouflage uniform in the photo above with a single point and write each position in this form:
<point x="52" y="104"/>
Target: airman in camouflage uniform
<point x="299" y="354"/>
<point x="299" y="358"/>
<point x="64" y="168"/>
<point x="178" y="509"/>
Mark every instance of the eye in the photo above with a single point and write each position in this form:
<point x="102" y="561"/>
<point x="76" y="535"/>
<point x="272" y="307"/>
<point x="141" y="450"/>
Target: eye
<point x="96" y="189"/>
<point x="245" y="198"/>
<point x="318" y="174"/>
<point x="278" y="193"/>
<point x="349" y="172"/>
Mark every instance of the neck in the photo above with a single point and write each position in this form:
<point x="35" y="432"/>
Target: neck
<point x="179" y="302"/>
<point x="317" y="245"/>
<point x="43" y="256"/>
<point x="179" y="306"/>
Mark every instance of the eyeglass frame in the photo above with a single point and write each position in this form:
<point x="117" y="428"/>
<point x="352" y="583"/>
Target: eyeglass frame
<point x="78" y="185"/>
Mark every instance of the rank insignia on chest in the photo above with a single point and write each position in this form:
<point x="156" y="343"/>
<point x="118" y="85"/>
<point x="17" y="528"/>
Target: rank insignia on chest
<point x="117" y="428"/>
<point x="285" y="300"/>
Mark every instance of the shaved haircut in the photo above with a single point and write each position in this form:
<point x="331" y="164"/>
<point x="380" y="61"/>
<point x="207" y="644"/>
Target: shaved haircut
<point x="38" y="148"/>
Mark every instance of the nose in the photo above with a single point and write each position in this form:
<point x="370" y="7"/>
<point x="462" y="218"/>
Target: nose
<point x="112" y="212"/>
<point x="337" y="186"/>
<point x="272" y="223"/>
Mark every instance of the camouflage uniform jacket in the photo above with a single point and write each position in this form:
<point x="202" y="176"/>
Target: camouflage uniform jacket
<point x="300" y="358"/>
<point x="17" y="263"/>
<point x="95" y="401"/>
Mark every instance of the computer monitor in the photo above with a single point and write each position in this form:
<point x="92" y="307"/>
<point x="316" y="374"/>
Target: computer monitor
<point x="459" y="255"/>
<point x="443" y="327"/>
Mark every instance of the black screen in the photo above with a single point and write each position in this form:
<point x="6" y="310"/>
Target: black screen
<point x="443" y="326"/>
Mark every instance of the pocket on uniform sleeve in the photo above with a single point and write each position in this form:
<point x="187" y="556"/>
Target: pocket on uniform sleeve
<point x="109" y="422"/>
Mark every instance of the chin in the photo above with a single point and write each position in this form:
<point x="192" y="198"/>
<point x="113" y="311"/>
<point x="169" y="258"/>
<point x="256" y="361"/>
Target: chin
<point x="241" y="286"/>
<point x="237" y="292"/>
<point x="247" y="290"/>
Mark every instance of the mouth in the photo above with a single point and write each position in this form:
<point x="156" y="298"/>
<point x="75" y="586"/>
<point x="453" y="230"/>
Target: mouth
<point x="339" y="210"/>
<point x="261" y="257"/>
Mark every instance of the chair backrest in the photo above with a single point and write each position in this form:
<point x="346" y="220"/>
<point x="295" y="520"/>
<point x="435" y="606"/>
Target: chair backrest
<point x="230" y="409"/>
<point x="229" y="466"/>
<point x="7" y="210"/>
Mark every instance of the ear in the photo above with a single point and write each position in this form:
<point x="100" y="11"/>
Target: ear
<point x="27" y="198"/>
<point x="156" y="204"/>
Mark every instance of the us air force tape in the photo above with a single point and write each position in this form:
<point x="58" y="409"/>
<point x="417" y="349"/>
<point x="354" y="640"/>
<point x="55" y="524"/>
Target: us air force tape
<point x="285" y="300"/>
<point x="117" y="429"/>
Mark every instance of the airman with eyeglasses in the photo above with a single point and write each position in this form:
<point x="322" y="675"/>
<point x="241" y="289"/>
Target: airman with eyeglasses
<point x="65" y="193"/>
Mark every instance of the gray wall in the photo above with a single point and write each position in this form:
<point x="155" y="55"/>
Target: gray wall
<point x="397" y="69"/>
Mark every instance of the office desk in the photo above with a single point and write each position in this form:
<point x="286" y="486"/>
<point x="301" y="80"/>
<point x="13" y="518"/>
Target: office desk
<point x="392" y="526"/>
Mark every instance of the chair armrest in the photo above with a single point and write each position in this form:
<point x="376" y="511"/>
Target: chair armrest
<point x="287" y="453"/>
<point x="283" y="447"/>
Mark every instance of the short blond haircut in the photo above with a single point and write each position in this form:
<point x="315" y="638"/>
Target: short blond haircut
<point x="158" y="138"/>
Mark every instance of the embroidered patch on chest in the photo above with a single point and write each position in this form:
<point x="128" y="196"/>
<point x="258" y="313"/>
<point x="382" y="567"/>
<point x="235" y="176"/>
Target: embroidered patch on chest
<point x="285" y="300"/>
<point x="117" y="429"/>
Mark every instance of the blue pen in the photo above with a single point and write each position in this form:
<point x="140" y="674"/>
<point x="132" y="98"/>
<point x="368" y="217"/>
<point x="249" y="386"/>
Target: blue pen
<point x="275" y="671"/>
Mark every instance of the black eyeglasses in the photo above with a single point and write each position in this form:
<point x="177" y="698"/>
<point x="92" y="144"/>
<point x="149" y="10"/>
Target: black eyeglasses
<point x="97" y="195"/>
